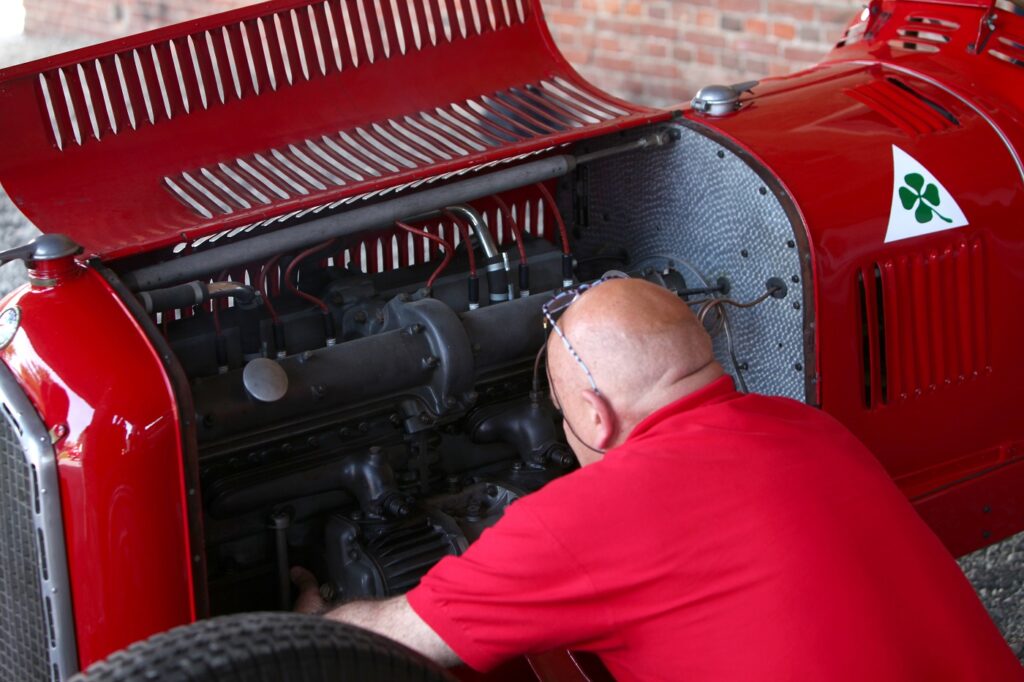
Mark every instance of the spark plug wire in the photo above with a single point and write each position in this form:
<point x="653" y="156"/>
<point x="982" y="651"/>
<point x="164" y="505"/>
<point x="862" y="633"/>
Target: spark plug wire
<point x="261" y="286"/>
<point x="464" y="231"/>
<point x="293" y="284"/>
<point x="513" y="225"/>
<point x="294" y="288"/>
<point x="524" y="265"/>
<point x="473" y="286"/>
<point x="438" y="240"/>
<point x="550" y="201"/>
<point x="567" y="259"/>
<point x="264" y="290"/>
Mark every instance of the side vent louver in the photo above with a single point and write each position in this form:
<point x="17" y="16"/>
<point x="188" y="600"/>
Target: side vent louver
<point x="904" y="107"/>
<point x="872" y="318"/>
<point x="923" y="323"/>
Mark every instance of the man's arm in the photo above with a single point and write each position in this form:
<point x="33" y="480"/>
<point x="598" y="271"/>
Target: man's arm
<point x="393" y="618"/>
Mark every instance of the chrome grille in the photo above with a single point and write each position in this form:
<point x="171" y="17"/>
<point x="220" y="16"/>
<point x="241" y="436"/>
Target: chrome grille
<point x="24" y="649"/>
<point x="37" y="640"/>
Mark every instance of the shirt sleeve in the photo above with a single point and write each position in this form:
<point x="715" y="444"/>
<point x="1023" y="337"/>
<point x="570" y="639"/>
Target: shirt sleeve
<point x="516" y="590"/>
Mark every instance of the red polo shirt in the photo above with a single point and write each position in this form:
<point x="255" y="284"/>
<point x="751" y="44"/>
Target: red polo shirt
<point x="731" y="537"/>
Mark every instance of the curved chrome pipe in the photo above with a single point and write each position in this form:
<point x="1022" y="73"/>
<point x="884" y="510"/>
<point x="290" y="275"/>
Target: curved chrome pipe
<point x="476" y="221"/>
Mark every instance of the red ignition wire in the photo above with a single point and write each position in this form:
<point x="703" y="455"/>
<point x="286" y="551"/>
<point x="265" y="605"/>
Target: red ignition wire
<point x="260" y="284"/>
<point x="550" y="201"/>
<point x="293" y="287"/>
<point x="464" y="230"/>
<point x="434" y="238"/>
<point x="514" y="226"/>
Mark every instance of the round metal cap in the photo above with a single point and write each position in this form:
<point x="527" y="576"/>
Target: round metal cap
<point x="53" y="246"/>
<point x="718" y="100"/>
<point x="265" y="380"/>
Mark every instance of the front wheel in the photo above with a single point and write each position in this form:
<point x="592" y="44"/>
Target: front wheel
<point x="265" y="647"/>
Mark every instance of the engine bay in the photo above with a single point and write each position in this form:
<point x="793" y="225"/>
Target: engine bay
<point x="370" y="404"/>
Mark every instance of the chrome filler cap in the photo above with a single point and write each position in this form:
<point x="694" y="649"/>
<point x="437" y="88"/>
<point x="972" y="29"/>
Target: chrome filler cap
<point x="719" y="100"/>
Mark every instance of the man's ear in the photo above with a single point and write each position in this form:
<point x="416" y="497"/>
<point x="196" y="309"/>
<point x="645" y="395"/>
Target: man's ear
<point x="601" y="419"/>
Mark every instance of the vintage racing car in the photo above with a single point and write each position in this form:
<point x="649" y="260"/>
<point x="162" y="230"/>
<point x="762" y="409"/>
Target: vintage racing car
<point x="287" y="302"/>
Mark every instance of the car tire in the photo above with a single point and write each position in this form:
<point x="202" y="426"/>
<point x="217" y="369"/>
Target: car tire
<point x="265" y="647"/>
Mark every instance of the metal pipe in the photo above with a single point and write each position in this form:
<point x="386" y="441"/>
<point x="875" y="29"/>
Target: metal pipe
<point x="351" y="222"/>
<point x="280" y="521"/>
<point x="476" y="221"/>
<point x="499" y="269"/>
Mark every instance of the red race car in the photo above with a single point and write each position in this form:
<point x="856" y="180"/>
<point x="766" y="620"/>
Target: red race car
<point x="287" y="302"/>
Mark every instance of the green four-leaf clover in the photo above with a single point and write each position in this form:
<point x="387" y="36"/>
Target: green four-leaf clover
<point x="926" y="199"/>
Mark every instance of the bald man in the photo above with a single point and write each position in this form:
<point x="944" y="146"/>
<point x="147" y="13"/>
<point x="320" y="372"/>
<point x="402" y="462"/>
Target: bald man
<point x="709" y="535"/>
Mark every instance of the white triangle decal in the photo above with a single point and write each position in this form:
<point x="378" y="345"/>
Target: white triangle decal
<point x="920" y="204"/>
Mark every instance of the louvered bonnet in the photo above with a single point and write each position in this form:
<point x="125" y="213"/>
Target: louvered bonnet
<point x="218" y="126"/>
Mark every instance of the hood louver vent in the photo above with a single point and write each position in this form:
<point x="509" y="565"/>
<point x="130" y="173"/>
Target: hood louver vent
<point x="912" y="349"/>
<point x="924" y="34"/>
<point x="152" y="84"/>
<point x="1008" y="50"/>
<point x="386" y="148"/>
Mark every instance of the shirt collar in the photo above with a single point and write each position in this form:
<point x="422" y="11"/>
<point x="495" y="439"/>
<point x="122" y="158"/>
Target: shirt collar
<point x="719" y="390"/>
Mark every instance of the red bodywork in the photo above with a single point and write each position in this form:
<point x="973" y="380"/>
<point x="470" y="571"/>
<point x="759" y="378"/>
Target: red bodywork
<point x="120" y="458"/>
<point x="946" y="301"/>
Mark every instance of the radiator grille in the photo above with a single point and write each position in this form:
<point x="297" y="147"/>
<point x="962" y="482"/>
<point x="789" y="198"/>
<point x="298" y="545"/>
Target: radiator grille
<point x="25" y="633"/>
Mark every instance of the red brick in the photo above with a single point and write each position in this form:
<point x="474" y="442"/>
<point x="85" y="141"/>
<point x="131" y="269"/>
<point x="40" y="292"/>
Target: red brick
<point x="730" y="60"/>
<point x="705" y="56"/>
<point x="838" y="16"/>
<point x="707" y="18"/>
<point x="614" y="63"/>
<point x="662" y="69"/>
<point x="785" y="31"/>
<point x="681" y="53"/>
<point x="701" y="38"/>
<point x="655" y="48"/>
<point x="810" y="34"/>
<point x="634" y="9"/>
<point x="791" y="10"/>
<point x="756" y="27"/>
<point x="576" y="55"/>
<point x="803" y="54"/>
<point x="740" y="5"/>
<point x="564" y="18"/>
<point x="755" y="46"/>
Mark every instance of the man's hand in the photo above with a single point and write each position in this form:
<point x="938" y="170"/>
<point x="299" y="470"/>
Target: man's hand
<point x="309" y="600"/>
<point x="393" y="618"/>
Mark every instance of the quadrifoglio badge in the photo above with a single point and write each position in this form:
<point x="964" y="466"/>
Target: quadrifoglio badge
<point x="10" y="320"/>
<point x="920" y="204"/>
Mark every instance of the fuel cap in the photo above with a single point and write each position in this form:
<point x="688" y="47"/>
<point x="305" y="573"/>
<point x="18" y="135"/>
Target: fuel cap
<point x="719" y="100"/>
<point x="265" y="380"/>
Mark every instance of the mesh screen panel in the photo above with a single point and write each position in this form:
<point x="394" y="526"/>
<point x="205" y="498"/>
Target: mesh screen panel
<point x="24" y="635"/>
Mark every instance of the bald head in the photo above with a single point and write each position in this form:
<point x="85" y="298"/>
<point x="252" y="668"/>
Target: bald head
<point x="643" y="345"/>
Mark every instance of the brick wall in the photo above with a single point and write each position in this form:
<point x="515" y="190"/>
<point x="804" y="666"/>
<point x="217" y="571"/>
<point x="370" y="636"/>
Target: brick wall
<point x="654" y="51"/>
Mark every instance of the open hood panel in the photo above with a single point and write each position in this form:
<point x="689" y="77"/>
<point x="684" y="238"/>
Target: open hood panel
<point x="222" y="123"/>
